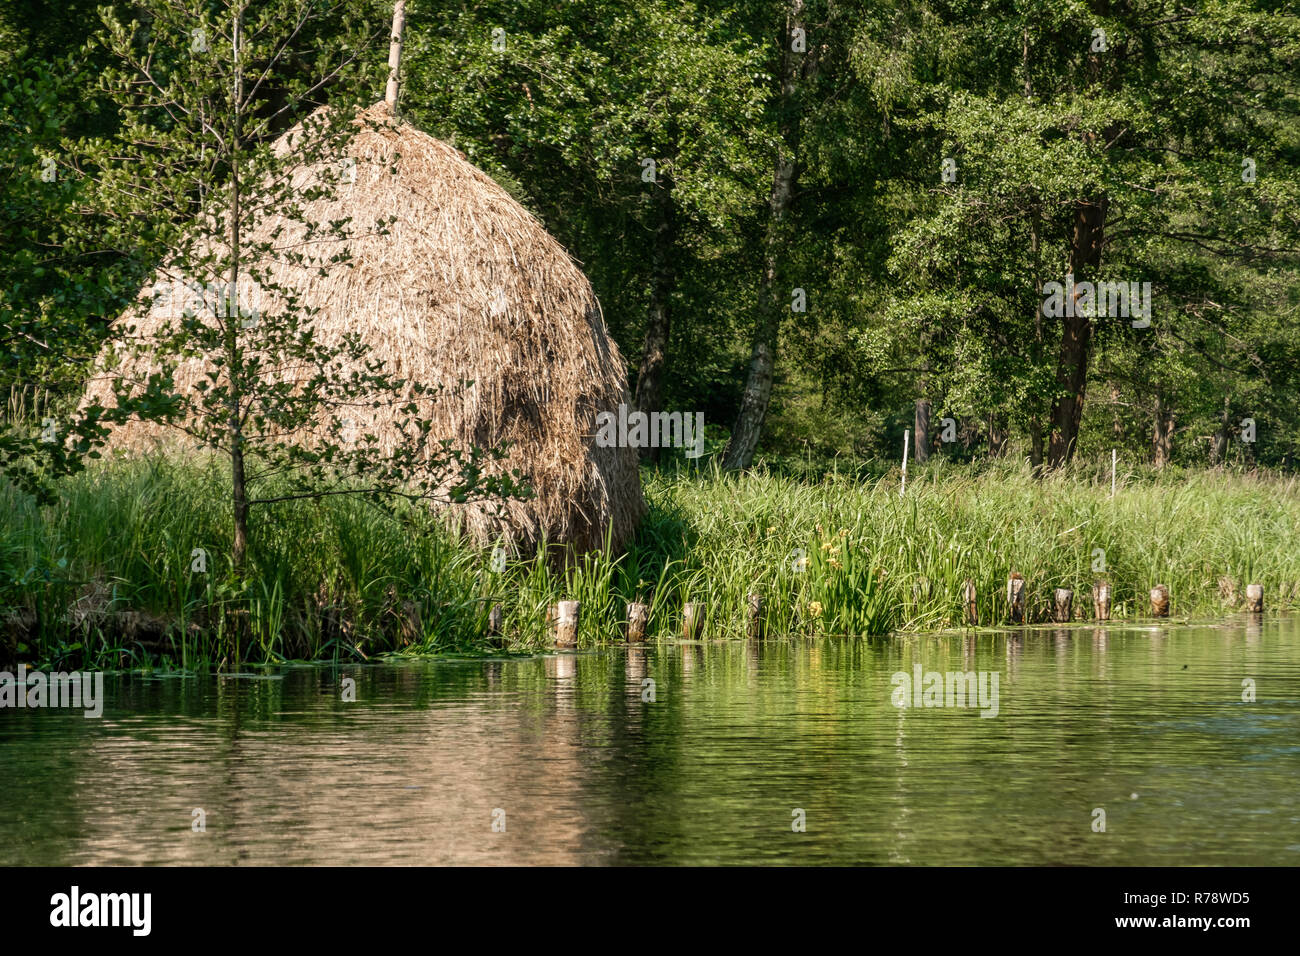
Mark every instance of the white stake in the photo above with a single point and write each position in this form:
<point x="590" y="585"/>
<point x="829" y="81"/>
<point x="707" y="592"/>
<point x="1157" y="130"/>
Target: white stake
<point x="1112" y="472"/>
<point x="906" y="434"/>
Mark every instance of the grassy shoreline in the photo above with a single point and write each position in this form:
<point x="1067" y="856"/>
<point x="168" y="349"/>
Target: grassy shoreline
<point x="103" y="577"/>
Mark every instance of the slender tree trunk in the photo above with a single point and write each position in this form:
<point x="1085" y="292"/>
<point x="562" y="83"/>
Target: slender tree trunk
<point x="395" y="55"/>
<point x="1162" y="435"/>
<point x="1116" y="426"/>
<point x="663" y="278"/>
<point x="1035" y="419"/>
<point x="1035" y="252"/>
<point x="1219" y="447"/>
<point x="797" y="69"/>
<point x="739" y="452"/>
<point x="921" y="409"/>
<point x="921" y="429"/>
<point x="239" y="490"/>
<point x="997" y="435"/>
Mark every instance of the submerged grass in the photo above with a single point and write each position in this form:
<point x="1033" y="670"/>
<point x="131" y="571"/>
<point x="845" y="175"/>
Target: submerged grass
<point x="129" y="567"/>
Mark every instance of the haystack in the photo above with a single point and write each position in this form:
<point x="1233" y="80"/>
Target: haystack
<point x="465" y="285"/>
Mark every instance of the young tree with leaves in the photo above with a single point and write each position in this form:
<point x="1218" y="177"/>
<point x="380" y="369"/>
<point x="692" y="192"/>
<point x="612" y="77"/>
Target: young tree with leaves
<point x="202" y="89"/>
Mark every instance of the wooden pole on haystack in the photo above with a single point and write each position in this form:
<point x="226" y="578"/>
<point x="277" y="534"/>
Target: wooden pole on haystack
<point x="395" y="54"/>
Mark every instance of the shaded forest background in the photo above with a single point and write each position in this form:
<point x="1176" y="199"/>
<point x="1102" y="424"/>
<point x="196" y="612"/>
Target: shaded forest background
<point x="819" y="223"/>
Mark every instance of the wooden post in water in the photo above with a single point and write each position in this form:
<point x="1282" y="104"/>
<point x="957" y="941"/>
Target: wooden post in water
<point x="1064" y="602"/>
<point x="1016" y="597"/>
<point x="638" y="616"/>
<point x="564" y="617"/>
<point x="1160" y="601"/>
<point x="755" y="627"/>
<point x="1255" y="598"/>
<point x="692" y="621"/>
<point x="1101" y="601"/>
<point x="972" y="612"/>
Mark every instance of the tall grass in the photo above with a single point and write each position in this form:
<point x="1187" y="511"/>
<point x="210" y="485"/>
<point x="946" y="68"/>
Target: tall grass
<point x="1205" y="534"/>
<point x="108" y="574"/>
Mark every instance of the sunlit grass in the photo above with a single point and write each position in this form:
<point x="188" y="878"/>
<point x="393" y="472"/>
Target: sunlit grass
<point x="344" y="579"/>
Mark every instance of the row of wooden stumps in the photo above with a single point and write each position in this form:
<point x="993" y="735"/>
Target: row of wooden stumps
<point x="563" y="615"/>
<point x="1063" y="601"/>
<point x="562" y="620"/>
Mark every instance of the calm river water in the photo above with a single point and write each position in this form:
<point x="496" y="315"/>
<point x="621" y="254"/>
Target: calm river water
<point x="562" y="759"/>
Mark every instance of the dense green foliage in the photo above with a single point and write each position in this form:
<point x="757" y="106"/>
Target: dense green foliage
<point x="1123" y="157"/>
<point x="1125" y="140"/>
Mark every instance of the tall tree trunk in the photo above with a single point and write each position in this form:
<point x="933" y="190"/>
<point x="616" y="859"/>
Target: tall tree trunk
<point x="1036" y="417"/>
<point x="1035" y="250"/>
<point x="239" y="490"/>
<point x="1086" y="243"/>
<point x="1076" y="339"/>
<point x="663" y="278"/>
<point x="921" y="429"/>
<point x="797" y="70"/>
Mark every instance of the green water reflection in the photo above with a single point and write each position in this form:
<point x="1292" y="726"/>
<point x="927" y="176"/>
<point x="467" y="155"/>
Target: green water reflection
<point x="1147" y="724"/>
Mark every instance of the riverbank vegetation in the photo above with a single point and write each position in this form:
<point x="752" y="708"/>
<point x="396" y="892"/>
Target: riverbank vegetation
<point x="128" y="567"/>
<point x="828" y="228"/>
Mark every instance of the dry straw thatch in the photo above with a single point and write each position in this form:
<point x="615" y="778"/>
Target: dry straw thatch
<point x="465" y="285"/>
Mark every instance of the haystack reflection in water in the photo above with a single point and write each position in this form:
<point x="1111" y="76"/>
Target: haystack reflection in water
<point x="1146" y="723"/>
